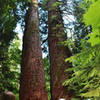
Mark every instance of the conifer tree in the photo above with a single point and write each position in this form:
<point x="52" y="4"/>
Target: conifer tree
<point x="32" y="84"/>
<point x="58" y="53"/>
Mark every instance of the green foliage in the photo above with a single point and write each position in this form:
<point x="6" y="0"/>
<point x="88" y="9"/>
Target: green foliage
<point x="53" y="17"/>
<point x="47" y="75"/>
<point x="28" y="0"/>
<point x="85" y="79"/>
<point x="44" y="4"/>
<point x="11" y="13"/>
<point x="57" y="4"/>
<point x="17" y="96"/>
<point x="90" y="1"/>
<point x="92" y="17"/>
<point x="75" y="99"/>
<point x="10" y="69"/>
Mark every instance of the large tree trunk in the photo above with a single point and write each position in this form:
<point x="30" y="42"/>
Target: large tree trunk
<point x="32" y="84"/>
<point x="58" y="53"/>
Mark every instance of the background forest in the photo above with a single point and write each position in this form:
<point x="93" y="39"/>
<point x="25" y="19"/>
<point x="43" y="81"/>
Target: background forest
<point x="68" y="34"/>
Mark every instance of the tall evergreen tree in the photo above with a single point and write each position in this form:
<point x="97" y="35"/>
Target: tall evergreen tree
<point x="32" y="84"/>
<point x="58" y="53"/>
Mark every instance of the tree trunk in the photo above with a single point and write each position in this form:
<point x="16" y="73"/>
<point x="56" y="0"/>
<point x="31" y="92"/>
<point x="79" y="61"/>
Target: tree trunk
<point x="7" y="95"/>
<point x="32" y="84"/>
<point x="58" y="53"/>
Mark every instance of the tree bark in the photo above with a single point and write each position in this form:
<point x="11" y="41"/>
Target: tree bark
<point x="58" y="53"/>
<point x="32" y="84"/>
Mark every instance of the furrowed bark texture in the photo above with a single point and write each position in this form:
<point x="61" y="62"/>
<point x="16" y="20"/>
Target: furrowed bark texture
<point x="58" y="53"/>
<point x="32" y="84"/>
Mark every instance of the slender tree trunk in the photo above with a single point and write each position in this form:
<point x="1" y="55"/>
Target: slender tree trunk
<point x="58" y="53"/>
<point x="32" y="84"/>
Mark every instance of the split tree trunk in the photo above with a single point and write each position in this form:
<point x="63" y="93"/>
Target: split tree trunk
<point x="32" y="84"/>
<point x="58" y="53"/>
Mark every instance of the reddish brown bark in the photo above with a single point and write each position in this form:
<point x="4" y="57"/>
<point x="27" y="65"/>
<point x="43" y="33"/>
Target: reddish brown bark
<point x="58" y="53"/>
<point x="32" y="84"/>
